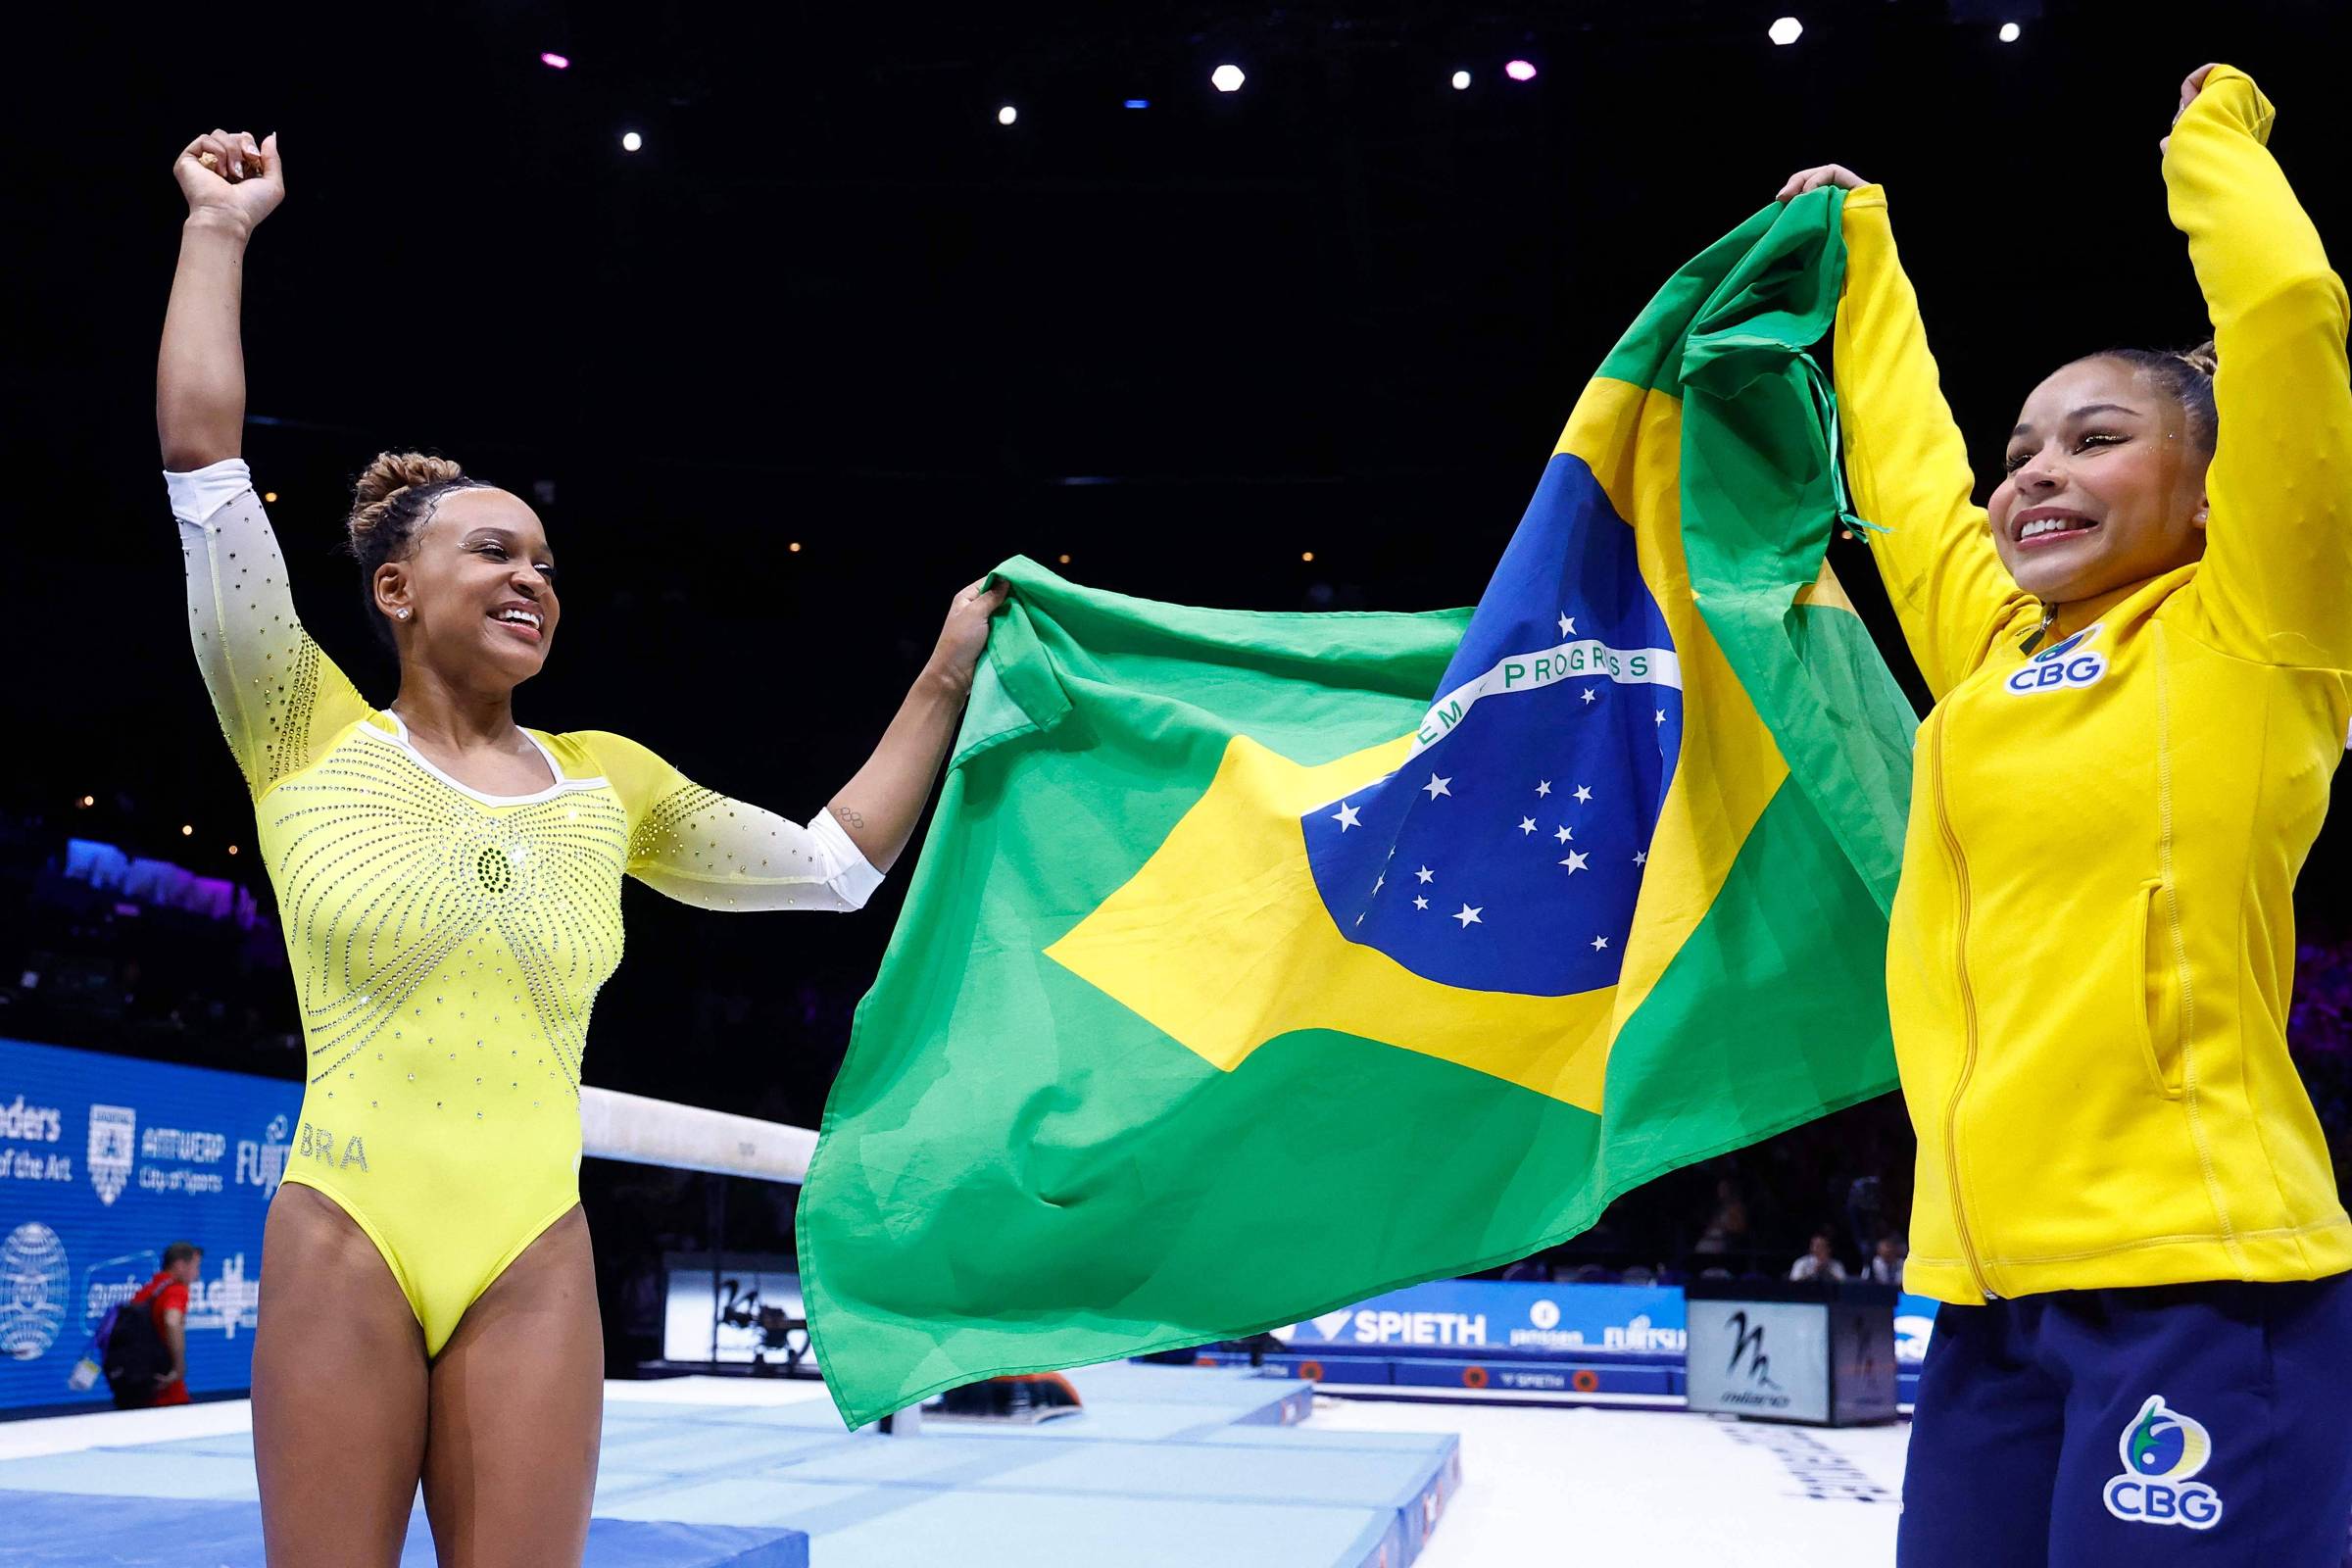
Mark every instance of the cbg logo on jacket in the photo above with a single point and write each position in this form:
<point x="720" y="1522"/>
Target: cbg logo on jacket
<point x="2060" y="666"/>
<point x="2162" y="1449"/>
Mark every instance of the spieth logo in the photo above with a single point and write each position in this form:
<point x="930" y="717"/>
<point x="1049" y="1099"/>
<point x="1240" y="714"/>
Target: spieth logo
<point x="2162" y="1449"/>
<point x="112" y="1140"/>
<point x="2060" y="666"/>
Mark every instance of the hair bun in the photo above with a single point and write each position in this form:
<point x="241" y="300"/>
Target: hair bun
<point x="2202" y="358"/>
<point x="391" y="473"/>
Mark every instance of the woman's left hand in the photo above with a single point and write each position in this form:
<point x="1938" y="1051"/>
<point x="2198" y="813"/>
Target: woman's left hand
<point x="966" y="634"/>
<point x="2190" y="88"/>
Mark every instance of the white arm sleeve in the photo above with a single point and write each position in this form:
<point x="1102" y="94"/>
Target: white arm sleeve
<point x="200" y="492"/>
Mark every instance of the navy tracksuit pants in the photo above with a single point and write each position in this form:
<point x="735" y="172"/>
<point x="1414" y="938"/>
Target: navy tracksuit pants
<point x="2193" y="1424"/>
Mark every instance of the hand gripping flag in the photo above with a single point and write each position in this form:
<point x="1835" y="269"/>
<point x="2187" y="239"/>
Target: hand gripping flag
<point x="1258" y="963"/>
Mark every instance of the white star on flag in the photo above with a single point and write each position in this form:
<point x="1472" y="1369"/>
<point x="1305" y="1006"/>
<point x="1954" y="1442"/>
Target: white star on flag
<point x="1437" y="786"/>
<point x="1661" y="715"/>
<point x="1345" y="817"/>
<point x="1584" y="792"/>
<point x="1564" y="834"/>
<point x="1527" y="824"/>
<point x="1567" y="626"/>
<point x="1574" y="861"/>
<point x="1382" y="883"/>
<point x="1640" y="856"/>
<point x="1425" y="873"/>
<point x="1588" y="694"/>
<point x="1600" y="944"/>
<point x="1469" y="916"/>
<point x="1543" y="787"/>
<point x="1420" y="904"/>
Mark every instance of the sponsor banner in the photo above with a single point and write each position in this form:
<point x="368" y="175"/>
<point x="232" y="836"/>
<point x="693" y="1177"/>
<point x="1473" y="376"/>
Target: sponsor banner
<point x="1759" y="1358"/>
<point x="1914" y="1325"/>
<point x="1493" y="1315"/>
<point x="105" y="1161"/>
<point x="1489" y="1316"/>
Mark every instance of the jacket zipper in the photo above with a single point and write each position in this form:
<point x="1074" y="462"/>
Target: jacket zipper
<point x="2049" y="617"/>
<point x="1967" y="1013"/>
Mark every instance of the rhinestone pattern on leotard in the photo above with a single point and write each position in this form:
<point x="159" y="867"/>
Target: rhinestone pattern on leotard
<point x="413" y="906"/>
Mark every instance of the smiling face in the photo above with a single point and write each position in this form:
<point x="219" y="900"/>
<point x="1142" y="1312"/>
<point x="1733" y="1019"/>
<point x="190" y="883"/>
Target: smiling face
<point x="2105" y="487"/>
<point x="478" y="581"/>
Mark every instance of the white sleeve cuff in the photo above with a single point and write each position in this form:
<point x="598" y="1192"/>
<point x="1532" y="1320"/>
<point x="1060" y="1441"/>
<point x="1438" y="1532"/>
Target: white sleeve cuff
<point x="197" y="495"/>
<point x="848" y="872"/>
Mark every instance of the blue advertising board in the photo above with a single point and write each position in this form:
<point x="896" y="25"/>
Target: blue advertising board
<point x="1490" y="1317"/>
<point x="105" y="1161"/>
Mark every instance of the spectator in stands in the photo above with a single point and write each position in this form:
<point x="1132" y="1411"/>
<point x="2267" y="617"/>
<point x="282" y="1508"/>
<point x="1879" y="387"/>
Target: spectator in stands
<point x="1820" y="1261"/>
<point x="165" y="1297"/>
<point x="1886" y="1265"/>
<point x="1727" y="1228"/>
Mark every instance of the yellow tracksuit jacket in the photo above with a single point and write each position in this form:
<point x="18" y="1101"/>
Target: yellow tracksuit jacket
<point x="2093" y="942"/>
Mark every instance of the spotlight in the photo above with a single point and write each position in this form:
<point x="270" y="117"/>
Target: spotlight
<point x="1063" y="560"/>
<point x="89" y="800"/>
<point x="1008" y="115"/>
<point x="1306" y="555"/>
<point x="2010" y="32"/>
<point x="793" y="546"/>
<point x="553" y="60"/>
<point x="271" y="496"/>
<point x="1227" y="79"/>
<point x="1787" y="29"/>
<point x="187" y="830"/>
<point x="1137" y="103"/>
<point x="1461" y="80"/>
<point x="630" y="141"/>
<point x="1520" y="71"/>
<point x="232" y="848"/>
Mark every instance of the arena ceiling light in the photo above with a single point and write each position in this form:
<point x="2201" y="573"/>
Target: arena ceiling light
<point x="2010" y="32"/>
<point x="1461" y="80"/>
<point x="630" y="141"/>
<point x="1520" y="71"/>
<point x="1227" y="79"/>
<point x="554" y="62"/>
<point x="1008" y="115"/>
<point x="1787" y="31"/>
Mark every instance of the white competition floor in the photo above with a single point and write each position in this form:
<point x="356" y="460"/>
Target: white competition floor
<point x="1538" y="1486"/>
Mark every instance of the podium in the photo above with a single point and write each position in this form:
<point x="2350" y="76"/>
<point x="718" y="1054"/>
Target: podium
<point x="1821" y="1353"/>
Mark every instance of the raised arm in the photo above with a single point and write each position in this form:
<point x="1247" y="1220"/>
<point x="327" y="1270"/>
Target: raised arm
<point x="1907" y="464"/>
<point x="199" y="373"/>
<point x="279" y="698"/>
<point x="2276" y="582"/>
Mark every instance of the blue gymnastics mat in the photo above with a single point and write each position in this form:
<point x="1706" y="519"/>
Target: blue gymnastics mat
<point x="1165" y="1467"/>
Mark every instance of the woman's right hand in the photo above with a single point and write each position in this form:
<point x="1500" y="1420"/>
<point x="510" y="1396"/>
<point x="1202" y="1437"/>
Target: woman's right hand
<point x="1805" y="179"/>
<point x="240" y="185"/>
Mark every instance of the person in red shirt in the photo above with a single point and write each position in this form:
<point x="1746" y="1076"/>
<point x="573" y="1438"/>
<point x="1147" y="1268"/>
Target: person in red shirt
<point x="167" y="1301"/>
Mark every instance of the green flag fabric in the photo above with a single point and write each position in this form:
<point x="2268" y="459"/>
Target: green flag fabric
<point x="1256" y="963"/>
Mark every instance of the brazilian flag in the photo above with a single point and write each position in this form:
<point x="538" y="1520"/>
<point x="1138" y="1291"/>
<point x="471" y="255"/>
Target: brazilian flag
<point x="1256" y="963"/>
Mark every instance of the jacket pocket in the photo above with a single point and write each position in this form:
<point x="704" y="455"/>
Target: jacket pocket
<point x="2156" y="992"/>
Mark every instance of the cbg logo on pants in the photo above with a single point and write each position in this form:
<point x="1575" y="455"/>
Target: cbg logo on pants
<point x="2162" y="1449"/>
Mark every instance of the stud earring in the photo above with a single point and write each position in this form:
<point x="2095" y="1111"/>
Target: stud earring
<point x="404" y="613"/>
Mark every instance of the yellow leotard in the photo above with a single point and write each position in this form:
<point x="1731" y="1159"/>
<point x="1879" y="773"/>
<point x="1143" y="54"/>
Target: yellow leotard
<point x="447" y="944"/>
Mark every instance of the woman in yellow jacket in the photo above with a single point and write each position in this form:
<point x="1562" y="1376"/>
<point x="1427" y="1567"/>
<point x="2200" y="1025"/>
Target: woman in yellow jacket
<point x="2140" y="652"/>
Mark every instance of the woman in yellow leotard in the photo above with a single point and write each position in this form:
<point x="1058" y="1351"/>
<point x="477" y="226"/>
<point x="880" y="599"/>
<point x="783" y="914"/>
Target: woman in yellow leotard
<point x="2141" y="653"/>
<point x="450" y="885"/>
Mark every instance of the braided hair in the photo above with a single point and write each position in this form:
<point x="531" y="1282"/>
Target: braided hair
<point x="390" y="503"/>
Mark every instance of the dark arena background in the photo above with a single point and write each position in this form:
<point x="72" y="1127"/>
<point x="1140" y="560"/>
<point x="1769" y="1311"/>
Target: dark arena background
<point x="791" y="320"/>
